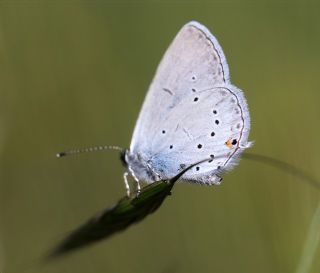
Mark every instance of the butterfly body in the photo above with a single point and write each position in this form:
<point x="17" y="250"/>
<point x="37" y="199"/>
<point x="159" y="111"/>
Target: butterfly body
<point x="191" y="112"/>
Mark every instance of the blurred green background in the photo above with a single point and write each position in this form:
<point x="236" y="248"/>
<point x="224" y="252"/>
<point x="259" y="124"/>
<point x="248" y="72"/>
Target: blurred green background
<point x="75" y="73"/>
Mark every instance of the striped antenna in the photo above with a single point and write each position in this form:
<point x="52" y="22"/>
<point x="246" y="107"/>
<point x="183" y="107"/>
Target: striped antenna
<point x="88" y="150"/>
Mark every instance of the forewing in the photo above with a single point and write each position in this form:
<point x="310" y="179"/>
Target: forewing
<point x="193" y="62"/>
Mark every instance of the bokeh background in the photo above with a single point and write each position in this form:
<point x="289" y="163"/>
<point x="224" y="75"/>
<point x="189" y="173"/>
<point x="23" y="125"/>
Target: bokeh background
<point x="75" y="73"/>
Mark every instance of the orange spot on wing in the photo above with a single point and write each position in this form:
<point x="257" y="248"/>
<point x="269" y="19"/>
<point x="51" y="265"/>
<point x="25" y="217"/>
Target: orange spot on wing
<point x="228" y="143"/>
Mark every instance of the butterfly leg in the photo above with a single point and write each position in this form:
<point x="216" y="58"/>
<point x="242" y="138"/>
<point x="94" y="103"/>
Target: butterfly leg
<point x="138" y="186"/>
<point x="126" y="183"/>
<point x="136" y="179"/>
<point x="138" y="183"/>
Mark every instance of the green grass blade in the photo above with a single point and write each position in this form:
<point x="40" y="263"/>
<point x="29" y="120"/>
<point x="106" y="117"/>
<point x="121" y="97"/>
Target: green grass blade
<point x="127" y="211"/>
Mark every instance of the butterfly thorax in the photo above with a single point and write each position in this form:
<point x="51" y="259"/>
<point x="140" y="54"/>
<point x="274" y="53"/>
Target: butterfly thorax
<point x="140" y="168"/>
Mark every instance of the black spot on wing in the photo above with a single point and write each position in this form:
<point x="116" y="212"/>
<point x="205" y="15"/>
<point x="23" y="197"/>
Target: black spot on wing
<point x="167" y="90"/>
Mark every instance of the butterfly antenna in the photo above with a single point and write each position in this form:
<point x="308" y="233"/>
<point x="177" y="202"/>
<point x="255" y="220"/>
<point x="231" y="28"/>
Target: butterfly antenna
<point x="88" y="150"/>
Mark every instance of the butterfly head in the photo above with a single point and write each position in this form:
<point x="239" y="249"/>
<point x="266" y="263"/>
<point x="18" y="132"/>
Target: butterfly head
<point x="123" y="157"/>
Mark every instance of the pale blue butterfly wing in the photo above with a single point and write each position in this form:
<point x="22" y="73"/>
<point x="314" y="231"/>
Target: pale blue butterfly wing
<point x="193" y="61"/>
<point x="191" y="112"/>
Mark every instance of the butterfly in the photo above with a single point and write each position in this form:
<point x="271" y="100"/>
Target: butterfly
<point x="191" y="112"/>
